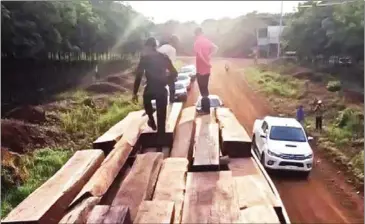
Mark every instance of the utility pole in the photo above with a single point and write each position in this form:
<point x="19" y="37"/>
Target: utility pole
<point x="280" y="28"/>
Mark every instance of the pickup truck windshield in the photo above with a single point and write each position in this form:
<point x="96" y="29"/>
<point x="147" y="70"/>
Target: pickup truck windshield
<point x="292" y="134"/>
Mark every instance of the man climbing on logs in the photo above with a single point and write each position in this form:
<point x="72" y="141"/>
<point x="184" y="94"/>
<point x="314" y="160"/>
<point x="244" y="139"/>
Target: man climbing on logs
<point x="204" y="49"/>
<point x="154" y="65"/>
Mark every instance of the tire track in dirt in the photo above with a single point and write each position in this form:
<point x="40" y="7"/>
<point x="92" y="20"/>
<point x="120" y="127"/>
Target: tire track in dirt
<point x="324" y="197"/>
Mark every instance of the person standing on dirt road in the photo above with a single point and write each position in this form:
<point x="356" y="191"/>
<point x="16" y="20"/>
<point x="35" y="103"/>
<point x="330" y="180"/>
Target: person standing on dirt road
<point x="154" y="65"/>
<point x="169" y="49"/>
<point x="319" y="110"/>
<point x="204" y="49"/>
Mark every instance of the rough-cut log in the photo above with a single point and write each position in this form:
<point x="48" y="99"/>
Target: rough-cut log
<point x="235" y="140"/>
<point x="149" y="137"/>
<point x="80" y="213"/>
<point x="164" y="150"/>
<point x="107" y="141"/>
<point x="206" y="148"/>
<point x="173" y="117"/>
<point x="210" y="198"/>
<point x="157" y="212"/>
<point x="49" y="202"/>
<point x="183" y="139"/>
<point x="259" y="214"/>
<point x="140" y="182"/>
<point x="171" y="184"/>
<point x="105" y="214"/>
<point x="248" y="178"/>
<point x="111" y="166"/>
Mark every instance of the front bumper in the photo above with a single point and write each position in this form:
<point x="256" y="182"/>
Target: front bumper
<point x="277" y="163"/>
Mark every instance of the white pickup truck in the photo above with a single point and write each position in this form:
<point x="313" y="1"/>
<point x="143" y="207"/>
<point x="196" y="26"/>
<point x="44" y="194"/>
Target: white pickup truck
<point x="281" y="144"/>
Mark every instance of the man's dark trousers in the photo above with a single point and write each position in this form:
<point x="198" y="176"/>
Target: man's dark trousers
<point x="161" y="104"/>
<point x="203" y="82"/>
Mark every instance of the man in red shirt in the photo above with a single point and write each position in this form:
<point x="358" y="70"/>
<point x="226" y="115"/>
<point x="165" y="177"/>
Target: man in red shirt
<point x="203" y="49"/>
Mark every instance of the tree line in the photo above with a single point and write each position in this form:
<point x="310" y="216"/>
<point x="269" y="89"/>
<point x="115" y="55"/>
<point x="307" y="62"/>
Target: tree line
<point x="327" y="29"/>
<point x="78" y="29"/>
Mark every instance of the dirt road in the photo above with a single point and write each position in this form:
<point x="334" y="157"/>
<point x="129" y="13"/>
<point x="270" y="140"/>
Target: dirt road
<point x="324" y="197"/>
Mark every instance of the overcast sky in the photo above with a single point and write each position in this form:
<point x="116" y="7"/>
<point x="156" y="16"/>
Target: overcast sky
<point x="162" y="11"/>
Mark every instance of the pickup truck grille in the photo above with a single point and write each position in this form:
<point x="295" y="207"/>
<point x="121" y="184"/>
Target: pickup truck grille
<point x="291" y="164"/>
<point x="292" y="157"/>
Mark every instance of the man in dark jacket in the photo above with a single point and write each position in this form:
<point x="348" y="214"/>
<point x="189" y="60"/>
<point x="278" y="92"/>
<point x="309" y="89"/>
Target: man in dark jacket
<point x="154" y="65"/>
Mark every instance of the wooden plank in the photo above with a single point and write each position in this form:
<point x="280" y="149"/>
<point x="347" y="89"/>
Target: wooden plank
<point x="155" y="212"/>
<point x="140" y="182"/>
<point x="173" y="117"/>
<point x="280" y="209"/>
<point x="259" y="214"/>
<point x="164" y="150"/>
<point x="80" y="212"/>
<point x="171" y="184"/>
<point x="210" y="198"/>
<point x="248" y="178"/>
<point x="98" y="214"/>
<point x="206" y="148"/>
<point x="49" y="202"/>
<point x="100" y="182"/>
<point x="235" y="140"/>
<point x="183" y="139"/>
<point x="104" y="214"/>
<point x="149" y="136"/>
<point x="107" y="141"/>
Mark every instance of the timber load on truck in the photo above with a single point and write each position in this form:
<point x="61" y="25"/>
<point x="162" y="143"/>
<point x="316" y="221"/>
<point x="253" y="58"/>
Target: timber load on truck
<point x="126" y="180"/>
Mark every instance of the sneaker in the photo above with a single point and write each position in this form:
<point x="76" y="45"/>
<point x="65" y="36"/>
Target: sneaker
<point x="152" y="124"/>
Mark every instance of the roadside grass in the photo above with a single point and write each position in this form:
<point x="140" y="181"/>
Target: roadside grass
<point x="343" y="135"/>
<point x="274" y="83"/>
<point x="40" y="165"/>
<point x="83" y="123"/>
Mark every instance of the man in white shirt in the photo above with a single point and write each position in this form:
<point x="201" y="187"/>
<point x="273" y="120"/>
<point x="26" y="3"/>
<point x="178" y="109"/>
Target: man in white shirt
<point x="169" y="49"/>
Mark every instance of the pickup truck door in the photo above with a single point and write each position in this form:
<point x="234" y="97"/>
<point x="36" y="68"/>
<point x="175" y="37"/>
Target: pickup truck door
<point x="261" y="137"/>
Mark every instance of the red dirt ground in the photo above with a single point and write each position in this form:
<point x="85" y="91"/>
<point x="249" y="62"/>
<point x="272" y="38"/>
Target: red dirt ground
<point x="325" y="197"/>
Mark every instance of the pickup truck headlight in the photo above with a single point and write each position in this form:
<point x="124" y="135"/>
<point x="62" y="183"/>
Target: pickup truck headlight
<point x="309" y="156"/>
<point x="272" y="153"/>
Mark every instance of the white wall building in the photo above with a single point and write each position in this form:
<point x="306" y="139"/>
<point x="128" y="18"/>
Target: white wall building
<point x="268" y="39"/>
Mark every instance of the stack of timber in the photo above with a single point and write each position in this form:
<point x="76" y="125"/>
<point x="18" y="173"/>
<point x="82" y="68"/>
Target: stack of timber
<point x="102" y="179"/>
<point x="107" y="141"/>
<point x="149" y="137"/>
<point x="182" y="146"/>
<point x="188" y="187"/>
<point x="140" y="182"/>
<point x="210" y="198"/>
<point x="235" y="140"/>
<point x="206" y="144"/>
<point x="171" y="184"/>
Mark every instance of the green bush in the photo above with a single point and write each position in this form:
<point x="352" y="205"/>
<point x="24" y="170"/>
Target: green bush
<point x="358" y="160"/>
<point x="334" y="86"/>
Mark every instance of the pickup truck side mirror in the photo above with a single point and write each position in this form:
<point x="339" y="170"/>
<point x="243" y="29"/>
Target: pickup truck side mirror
<point x="310" y="138"/>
